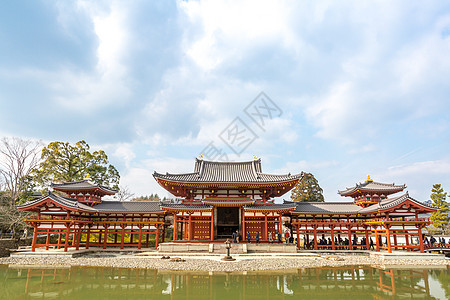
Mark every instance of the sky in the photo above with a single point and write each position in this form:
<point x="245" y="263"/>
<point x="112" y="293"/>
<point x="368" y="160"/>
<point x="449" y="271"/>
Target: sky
<point x="341" y="89"/>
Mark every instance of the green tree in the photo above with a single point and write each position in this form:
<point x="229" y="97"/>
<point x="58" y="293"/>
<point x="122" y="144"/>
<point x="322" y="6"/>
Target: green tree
<point x="307" y="190"/>
<point x="439" y="218"/>
<point x="66" y="162"/>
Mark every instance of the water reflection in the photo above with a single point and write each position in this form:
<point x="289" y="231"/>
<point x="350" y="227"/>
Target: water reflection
<point x="316" y="283"/>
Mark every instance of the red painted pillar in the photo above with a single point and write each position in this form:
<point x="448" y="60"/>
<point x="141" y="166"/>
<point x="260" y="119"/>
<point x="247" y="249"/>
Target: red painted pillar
<point x="66" y="242"/>
<point x="175" y="227"/>
<point x="189" y="227"/>
<point x="78" y="239"/>
<point x="350" y="244"/>
<point x="266" y="228"/>
<point x="377" y="241"/>
<point x="157" y="235"/>
<point x="298" y="236"/>
<point x="59" y="239"/>
<point x="366" y="232"/>
<point x="105" y="239"/>
<point x="140" y="236"/>
<point x="333" y="246"/>
<point x="122" y="238"/>
<point x="212" y="224"/>
<point x="388" y="238"/>
<point x="33" y="242"/>
<point x="47" y="240"/>
<point x="315" y="237"/>
<point x="88" y="237"/>
<point x="244" y="229"/>
<point x="421" y="247"/>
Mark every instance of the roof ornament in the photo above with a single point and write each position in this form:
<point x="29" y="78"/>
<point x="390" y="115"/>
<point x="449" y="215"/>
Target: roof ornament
<point x="255" y="157"/>
<point x="369" y="179"/>
<point x="200" y="156"/>
<point x="87" y="177"/>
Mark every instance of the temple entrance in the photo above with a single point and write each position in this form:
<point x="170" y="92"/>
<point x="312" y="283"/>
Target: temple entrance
<point x="227" y="221"/>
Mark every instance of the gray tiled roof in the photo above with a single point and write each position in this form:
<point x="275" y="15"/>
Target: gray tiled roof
<point x="326" y="207"/>
<point x="129" y="206"/>
<point x="391" y="202"/>
<point x="370" y="186"/>
<point x="349" y="207"/>
<point x="81" y="185"/>
<point x="275" y="206"/>
<point x="233" y="172"/>
<point x="69" y="202"/>
<point x="186" y="206"/>
<point x="228" y="201"/>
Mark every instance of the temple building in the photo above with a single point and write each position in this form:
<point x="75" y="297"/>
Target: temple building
<point x="220" y="198"/>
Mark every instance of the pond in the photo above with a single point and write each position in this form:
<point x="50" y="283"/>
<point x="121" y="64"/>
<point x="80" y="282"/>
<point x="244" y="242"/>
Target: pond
<point x="348" y="282"/>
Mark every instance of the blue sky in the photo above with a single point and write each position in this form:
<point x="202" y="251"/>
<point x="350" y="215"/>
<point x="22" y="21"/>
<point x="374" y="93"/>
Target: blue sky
<point x="361" y="87"/>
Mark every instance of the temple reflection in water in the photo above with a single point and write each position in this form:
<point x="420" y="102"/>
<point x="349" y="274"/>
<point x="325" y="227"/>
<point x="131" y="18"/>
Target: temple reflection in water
<point x="313" y="283"/>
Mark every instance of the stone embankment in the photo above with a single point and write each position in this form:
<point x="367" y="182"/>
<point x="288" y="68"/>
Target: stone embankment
<point x="202" y="263"/>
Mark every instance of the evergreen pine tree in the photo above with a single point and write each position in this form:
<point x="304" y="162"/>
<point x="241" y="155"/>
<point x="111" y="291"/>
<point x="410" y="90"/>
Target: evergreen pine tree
<point x="307" y="190"/>
<point x="440" y="218"/>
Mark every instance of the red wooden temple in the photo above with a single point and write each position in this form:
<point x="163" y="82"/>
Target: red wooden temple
<point x="219" y="198"/>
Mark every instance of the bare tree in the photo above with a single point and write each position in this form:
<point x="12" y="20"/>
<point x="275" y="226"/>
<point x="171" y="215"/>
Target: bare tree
<point x="124" y="194"/>
<point x="18" y="157"/>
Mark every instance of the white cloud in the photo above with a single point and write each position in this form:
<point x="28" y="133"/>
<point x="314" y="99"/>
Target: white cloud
<point x="229" y="29"/>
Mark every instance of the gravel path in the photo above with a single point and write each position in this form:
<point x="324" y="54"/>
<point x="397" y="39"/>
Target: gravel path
<point x="213" y="264"/>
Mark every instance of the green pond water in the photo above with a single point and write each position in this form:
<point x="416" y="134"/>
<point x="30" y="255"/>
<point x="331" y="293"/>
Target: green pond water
<point x="309" y="283"/>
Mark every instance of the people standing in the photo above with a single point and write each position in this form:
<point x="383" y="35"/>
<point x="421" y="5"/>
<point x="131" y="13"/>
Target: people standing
<point x="270" y="237"/>
<point x="249" y="238"/>
<point x="234" y="237"/>
<point x="257" y="237"/>
<point x="238" y="236"/>
<point x="279" y="238"/>
<point x="287" y="235"/>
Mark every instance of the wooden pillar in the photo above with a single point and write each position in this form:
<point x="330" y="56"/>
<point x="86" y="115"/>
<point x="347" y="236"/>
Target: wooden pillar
<point x="394" y="235"/>
<point x="266" y="228"/>
<point x="244" y="229"/>
<point x="105" y="239"/>
<point x="376" y="240"/>
<point x="422" y="250"/>
<point x="189" y="229"/>
<point x="175" y="227"/>
<point x="366" y="232"/>
<point x="388" y="239"/>
<point x="74" y="237"/>
<point x="298" y="236"/>
<point x="333" y="246"/>
<point x="157" y="234"/>
<point x="47" y="240"/>
<point x="212" y="224"/>
<point x="147" y="240"/>
<point x="33" y="242"/>
<point x="59" y="239"/>
<point x="122" y="238"/>
<point x="88" y="237"/>
<point x="280" y="225"/>
<point x="140" y="236"/>
<point x="315" y="237"/>
<point x="66" y="242"/>
<point x="78" y="239"/>
<point x="163" y="237"/>
<point x="350" y="244"/>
